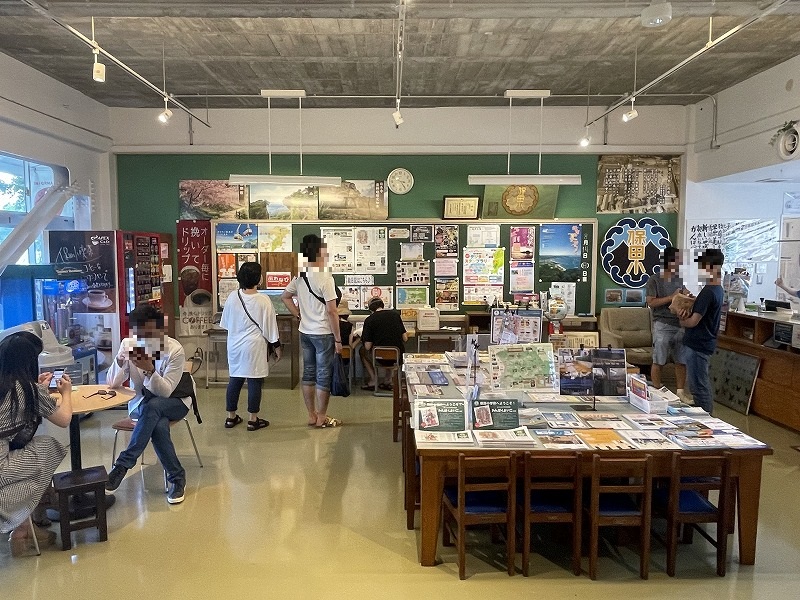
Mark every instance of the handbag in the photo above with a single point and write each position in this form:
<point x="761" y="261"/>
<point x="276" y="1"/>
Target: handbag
<point x="271" y="346"/>
<point x="340" y="386"/>
<point x="25" y="435"/>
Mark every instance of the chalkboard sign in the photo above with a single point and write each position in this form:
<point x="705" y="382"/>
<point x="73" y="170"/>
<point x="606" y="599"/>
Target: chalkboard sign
<point x="86" y="255"/>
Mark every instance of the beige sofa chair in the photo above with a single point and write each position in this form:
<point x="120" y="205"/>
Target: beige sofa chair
<point x="629" y="328"/>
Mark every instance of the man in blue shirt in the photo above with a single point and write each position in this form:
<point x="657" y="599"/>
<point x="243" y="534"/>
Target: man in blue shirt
<point x="701" y="325"/>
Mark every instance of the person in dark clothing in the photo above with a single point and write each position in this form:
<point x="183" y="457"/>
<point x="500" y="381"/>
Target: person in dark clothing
<point x="381" y="328"/>
<point x="701" y="325"/>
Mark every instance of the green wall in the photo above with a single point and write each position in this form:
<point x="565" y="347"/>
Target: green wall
<point x="148" y="184"/>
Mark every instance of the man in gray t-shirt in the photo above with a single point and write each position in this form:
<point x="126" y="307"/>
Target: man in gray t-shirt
<point x="667" y="332"/>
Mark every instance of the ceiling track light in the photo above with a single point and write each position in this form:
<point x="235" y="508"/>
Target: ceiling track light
<point x="586" y="140"/>
<point x="397" y="116"/>
<point x="659" y="13"/>
<point x="98" y="68"/>
<point x="165" y="115"/>
<point x="631" y="114"/>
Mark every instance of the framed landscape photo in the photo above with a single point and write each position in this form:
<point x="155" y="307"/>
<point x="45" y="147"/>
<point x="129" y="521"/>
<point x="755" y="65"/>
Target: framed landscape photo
<point x="461" y="207"/>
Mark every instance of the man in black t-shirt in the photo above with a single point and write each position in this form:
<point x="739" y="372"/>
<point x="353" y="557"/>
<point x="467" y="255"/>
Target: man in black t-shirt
<point x="381" y="328"/>
<point x="701" y="327"/>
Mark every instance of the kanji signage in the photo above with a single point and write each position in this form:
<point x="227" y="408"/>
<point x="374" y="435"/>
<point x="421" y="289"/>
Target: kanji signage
<point x="631" y="251"/>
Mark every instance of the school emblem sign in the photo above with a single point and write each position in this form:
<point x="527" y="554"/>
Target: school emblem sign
<point x="631" y="251"/>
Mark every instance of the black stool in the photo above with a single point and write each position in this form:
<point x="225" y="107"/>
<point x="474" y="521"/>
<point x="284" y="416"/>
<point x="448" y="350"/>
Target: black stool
<point x="71" y="483"/>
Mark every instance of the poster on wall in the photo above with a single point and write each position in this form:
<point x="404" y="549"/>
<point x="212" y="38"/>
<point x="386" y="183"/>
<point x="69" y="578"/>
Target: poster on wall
<point x="560" y="255"/>
<point x="415" y="272"/>
<point x="446" y="267"/>
<point x="631" y="251"/>
<point x="521" y="277"/>
<point x="226" y="287"/>
<point x="483" y="236"/>
<point x="226" y="266"/>
<point x="484" y="266"/>
<point x="483" y="294"/>
<point x="515" y="326"/>
<point x="422" y="233"/>
<point x="446" y="239"/>
<point x="236" y="237"/>
<point x="212" y="199"/>
<point x="446" y="294"/>
<point x="352" y="293"/>
<point x="411" y="251"/>
<point x="282" y="202"/>
<point x="243" y="257"/>
<point x="566" y="291"/>
<point x="354" y="200"/>
<point x="412" y="296"/>
<point x="747" y="240"/>
<point x="274" y="237"/>
<point x="371" y="250"/>
<point x="519" y="201"/>
<point x="384" y="292"/>
<point x="523" y="242"/>
<point x="194" y="276"/>
<point x="638" y="184"/>
<point x="341" y="248"/>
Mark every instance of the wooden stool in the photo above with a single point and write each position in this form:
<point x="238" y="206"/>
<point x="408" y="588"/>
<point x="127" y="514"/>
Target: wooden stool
<point x="71" y="483"/>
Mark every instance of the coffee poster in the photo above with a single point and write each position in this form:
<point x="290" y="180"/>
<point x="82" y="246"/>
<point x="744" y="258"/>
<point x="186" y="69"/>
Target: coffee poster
<point x="86" y="261"/>
<point x="194" y="276"/>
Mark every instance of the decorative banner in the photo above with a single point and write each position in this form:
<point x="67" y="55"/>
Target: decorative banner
<point x="519" y="201"/>
<point x="283" y="202"/>
<point x="194" y="275"/>
<point x="631" y="251"/>
<point x="630" y="183"/>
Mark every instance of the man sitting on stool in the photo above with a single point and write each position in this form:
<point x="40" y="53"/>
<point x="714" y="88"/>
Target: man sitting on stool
<point x="381" y="328"/>
<point x="154" y="363"/>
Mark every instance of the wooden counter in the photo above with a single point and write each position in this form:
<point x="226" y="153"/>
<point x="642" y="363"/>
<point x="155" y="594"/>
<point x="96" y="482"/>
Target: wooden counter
<point x="776" y="395"/>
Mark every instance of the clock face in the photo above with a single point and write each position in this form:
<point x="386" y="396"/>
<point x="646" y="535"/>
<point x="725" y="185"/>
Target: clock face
<point x="400" y="181"/>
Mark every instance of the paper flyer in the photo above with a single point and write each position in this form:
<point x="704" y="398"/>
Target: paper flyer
<point x="226" y="287"/>
<point x="413" y="272"/>
<point x="446" y="298"/>
<point x="565" y="290"/>
<point x="483" y="294"/>
<point x="446" y="267"/>
<point x="515" y="327"/>
<point x="341" y="248"/>
<point x="483" y="236"/>
<point x="371" y="250"/>
<point x="422" y="233"/>
<point x="446" y="239"/>
<point x="352" y="293"/>
<point x="236" y="237"/>
<point x="495" y="414"/>
<point x="385" y="293"/>
<point x="411" y="251"/>
<point x="523" y="243"/>
<point x="413" y="296"/>
<point x="521" y="276"/>
<point x="484" y="266"/>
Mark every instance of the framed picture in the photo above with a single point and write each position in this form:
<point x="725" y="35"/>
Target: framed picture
<point x="461" y="207"/>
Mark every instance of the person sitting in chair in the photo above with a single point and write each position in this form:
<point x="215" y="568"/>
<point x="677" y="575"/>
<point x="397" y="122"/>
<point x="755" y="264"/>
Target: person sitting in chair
<point x="381" y="328"/>
<point x="154" y="363"/>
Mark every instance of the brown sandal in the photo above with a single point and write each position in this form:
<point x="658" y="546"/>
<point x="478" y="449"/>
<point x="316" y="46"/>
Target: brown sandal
<point x="330" y="422"/>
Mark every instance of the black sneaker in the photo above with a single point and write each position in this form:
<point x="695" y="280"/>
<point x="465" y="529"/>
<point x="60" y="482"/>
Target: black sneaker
<point x="115" y="478"/>
<point x="176" y="492"/>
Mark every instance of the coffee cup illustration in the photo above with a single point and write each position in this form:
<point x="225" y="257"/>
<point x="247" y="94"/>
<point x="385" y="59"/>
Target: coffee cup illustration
<point x="190" y="279"/>
<point x="200" y="298"/>
<point x="97" y="298"/>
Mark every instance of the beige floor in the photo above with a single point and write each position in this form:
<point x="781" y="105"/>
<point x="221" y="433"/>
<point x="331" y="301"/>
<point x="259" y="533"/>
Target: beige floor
<point x="290" y="512"/>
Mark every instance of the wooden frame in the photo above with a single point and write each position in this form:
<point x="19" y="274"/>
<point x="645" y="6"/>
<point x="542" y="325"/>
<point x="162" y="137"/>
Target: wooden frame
<point x="461" y="207"/>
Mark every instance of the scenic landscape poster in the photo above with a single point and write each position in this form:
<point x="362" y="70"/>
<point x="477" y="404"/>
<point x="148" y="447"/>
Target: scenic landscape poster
<point x="283" y="202"/>
<point x="211" y="199"/>
<point x="354" y="200"/>
<point x="560" y="252"/>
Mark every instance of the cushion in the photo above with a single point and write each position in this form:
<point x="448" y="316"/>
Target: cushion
<point x="478" y="502"/>
<point x="689" y="501"/>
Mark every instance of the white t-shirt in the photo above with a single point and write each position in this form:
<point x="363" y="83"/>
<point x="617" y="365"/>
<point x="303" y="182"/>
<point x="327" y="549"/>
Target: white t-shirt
<point x="248" y="354"/>
<point x="313" y="313"/>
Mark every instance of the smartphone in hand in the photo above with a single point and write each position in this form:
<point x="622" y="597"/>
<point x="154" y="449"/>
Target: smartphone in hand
<point x="57" y="375"/>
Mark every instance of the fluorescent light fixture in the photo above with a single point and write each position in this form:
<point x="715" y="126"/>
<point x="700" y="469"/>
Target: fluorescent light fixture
<point x="527" y="94"/>
<point x="311" y="180"/>
<point x="630" y="115"/>
<point x="398" y="118"/>
<point x="524" y="180"/>
<point x="283" y="93"/>
<point x="657" y="14"/>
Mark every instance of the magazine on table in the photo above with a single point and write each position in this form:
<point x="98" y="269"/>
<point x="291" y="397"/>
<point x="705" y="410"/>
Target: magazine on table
<point x="504" y="438"/>
<point x="563" y="420"/>
<point x="532" y="418"/>
<point x="648" y="422"/>
<point x="605" y="439"/>
<point x="648" y="440"/>
<point x="605" y="420"/>
<point x="427" y="377"/>
<point x="738" y="440"/>
<point x="432" y="358"/>
<point x="449" y="438"/>
<point x="427" y="391"/>
<point x="559" y="439"/>
<point x="495" y="414"/>
<point x="694" y="442"/>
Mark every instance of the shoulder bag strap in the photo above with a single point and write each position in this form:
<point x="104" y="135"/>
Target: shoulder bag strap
<point x="320" y="298"/>
<point x="247" y="312"/>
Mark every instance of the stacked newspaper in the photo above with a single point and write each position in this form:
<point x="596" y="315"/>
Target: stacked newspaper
<point x="505" y="438"/>
<point x="448" y="438"/>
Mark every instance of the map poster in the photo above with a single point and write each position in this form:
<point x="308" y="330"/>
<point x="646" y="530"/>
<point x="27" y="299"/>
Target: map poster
<point x="529" y="367"/>
<point x="484" y="266"/>
<point x="341" y="248"/>
<point x="413" y="272"/>
<point x="521" y="276"/>
<point x="274" y="238"/>
<point x="446" y="298"/>
<point x="422" y="233"/>
<point x="371" y="250"/>
<point x="413" y="296"/>
<point x="523" y="243"/>
<point x="384" y="292"/>
<point x="446" y="238"/>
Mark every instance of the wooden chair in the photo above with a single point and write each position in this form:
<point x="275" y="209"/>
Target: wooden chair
<point x="347" y="354"/>
<point x="485" y="495"/>
<point x="399" y="402"/>
<point x="553" y="493"/>
<point x="686" y="502"/>
<point x="411" y="487"/>
<point x="91" y="480"/>
<point x="380" y="353"/>
<point x="620" y="495"/>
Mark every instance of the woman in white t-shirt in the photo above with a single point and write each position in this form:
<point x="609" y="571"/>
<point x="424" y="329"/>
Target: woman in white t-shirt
<point x="315" y="291"/>
<point x="250" y="320"/>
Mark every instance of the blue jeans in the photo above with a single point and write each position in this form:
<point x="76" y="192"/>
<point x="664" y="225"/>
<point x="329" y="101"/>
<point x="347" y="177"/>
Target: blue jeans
<point x="235" y="385"/>
<point x="153" y="424"/>
<point x="318" y="353"/>
<point x="698" y="379"/>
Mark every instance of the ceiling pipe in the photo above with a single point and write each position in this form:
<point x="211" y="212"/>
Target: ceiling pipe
<point x="94" y="46"/>
<point x="711" y="44"/>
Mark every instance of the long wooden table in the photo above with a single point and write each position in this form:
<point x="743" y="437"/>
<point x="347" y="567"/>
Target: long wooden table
<point x="438" y="463"/>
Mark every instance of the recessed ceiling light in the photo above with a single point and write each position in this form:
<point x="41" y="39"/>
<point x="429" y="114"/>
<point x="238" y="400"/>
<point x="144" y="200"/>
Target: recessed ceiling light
<point x="657" y="14"/>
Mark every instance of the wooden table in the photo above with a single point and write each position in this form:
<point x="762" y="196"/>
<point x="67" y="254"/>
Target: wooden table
<point x="84" y="401"/>
<point x="438" y="463"/>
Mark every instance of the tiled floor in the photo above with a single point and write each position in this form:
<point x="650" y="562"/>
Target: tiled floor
<point x="291" y="512"/>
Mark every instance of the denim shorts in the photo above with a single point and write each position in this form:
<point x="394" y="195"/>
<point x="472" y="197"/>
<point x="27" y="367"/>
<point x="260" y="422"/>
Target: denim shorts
<point x="667" y="340"/>
<point x="318" y="353"/>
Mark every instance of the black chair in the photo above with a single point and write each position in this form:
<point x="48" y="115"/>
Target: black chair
<point x="553" y="493"/>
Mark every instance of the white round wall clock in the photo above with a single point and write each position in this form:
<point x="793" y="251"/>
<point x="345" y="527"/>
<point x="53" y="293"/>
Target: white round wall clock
<point x="400" y="181"/>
